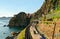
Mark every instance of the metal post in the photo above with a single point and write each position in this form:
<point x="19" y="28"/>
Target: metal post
<point x="54" y="30"/>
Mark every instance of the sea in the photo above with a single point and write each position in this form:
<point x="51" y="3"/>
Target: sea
<point x="6" y="31"/>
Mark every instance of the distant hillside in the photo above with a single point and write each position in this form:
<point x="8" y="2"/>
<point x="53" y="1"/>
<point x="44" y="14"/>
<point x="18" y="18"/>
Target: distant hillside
<point x="5" y="18"/>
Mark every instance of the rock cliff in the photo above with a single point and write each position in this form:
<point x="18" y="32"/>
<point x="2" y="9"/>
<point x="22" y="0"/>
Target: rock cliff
<point x="48" y="6"/>
<point x="22" y="19"/>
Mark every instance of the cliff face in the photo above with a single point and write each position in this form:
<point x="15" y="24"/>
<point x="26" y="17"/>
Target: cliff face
<point x="21" y="19"/>
<point x="48" y="6"/>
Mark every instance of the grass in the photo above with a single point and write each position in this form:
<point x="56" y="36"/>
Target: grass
<point x="21" y="35"/>
<point x="54" y="14"/>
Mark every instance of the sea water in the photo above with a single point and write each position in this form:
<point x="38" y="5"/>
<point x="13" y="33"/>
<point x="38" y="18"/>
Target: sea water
<point x="6" y="31"/>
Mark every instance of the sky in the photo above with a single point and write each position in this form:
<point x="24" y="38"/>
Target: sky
<point x="10" y="7"/>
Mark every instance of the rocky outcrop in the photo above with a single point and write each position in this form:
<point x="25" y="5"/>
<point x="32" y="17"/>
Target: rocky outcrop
<point x="48" y="6"/>
<point x="22" y="19"/>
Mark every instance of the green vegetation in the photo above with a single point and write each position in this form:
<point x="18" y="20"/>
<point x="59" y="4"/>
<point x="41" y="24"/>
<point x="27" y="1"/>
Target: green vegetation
<point x="21" y="35"/>
<point x="54" y="15"/>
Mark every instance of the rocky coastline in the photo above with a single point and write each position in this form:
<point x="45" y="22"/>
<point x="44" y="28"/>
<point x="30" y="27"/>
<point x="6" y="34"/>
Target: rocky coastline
<point x="13" y="35"/>
<point x="20" y="20"/>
